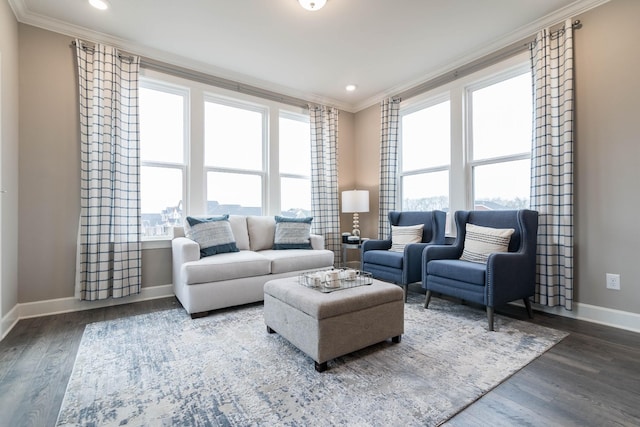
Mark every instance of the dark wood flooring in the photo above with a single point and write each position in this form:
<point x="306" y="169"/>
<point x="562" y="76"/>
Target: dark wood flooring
<point x="591" y="378"/>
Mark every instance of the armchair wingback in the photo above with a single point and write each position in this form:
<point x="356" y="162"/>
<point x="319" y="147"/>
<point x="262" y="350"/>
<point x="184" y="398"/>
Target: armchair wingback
<point x="505" y="277"/>
<point x="403" y="267"/>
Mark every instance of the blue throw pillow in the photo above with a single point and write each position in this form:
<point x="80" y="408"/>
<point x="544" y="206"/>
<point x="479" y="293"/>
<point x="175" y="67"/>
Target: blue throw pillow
<point x="292" y="233"/>
<point x="213" y="234"/>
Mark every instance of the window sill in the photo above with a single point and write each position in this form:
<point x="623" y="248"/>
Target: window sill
<point x="158" y="243"/>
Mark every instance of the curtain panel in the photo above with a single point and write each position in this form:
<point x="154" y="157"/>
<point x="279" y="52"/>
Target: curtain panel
<point x="389" y="113"/>
<point x="324" y="176"/>
<point x="552" y="164"/>
<point x="109" y="233"/>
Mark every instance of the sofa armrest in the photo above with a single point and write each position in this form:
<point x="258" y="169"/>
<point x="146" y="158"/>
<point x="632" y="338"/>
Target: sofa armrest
<point x="510" y="276"/>
<point x="184" y="250"/>
<point x="317" y="241"/>
<point x="433" y="252"/>
<point x="376" y="245"/>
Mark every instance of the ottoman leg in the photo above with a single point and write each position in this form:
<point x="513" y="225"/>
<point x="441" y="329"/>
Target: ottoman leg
<point x="320" y="367"/>
<point x="269" y="330"/>
<point x="396" y="339"/>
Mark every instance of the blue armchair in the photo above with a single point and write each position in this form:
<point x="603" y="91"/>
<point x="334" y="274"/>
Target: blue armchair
<point x="403" y="267"/>
<point x="505" y="277"/>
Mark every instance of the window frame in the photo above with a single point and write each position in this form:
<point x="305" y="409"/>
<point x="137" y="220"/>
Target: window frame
<point x="194" y="170"/>
<point x="264" y="162"/>
<point x="461" y="191"/>
<point x="183" y="167"/>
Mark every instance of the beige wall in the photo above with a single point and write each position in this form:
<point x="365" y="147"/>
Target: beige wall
<point x="9" y="161"/>
<point x="607" y="61"/>
<point x="607" y="153"/>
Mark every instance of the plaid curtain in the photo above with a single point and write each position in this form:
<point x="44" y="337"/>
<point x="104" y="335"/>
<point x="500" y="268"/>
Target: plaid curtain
<point x="324" y="177"/>
<point x="389" y="112"/>
<point x="109" y="240"/>
<point x="552" y="164"/>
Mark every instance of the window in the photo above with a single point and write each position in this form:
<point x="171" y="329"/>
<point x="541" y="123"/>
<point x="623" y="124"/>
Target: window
<point x="295" y="165"/>
<point x="234" y="141"/>
<point x="467" y="144"/>
<point x="162" y="153"/>
<point x="209" y="151"/>
<point x="500" y="141"/>
<point x="425" y="136"/>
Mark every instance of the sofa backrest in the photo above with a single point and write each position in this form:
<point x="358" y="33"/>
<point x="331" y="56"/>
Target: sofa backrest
<point x="262" y="232"/>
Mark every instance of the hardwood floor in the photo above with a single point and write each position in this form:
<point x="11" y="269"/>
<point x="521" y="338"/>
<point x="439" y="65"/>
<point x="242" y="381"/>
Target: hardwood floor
<point x="591" y="378"/>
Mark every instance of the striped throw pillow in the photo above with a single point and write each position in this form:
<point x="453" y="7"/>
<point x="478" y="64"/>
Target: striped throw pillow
<point x="480" y="242"/>
<point x="403" y="235"/>
<point x="214" y="235"/>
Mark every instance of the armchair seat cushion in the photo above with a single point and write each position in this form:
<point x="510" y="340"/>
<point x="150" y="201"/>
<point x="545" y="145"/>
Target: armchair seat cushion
<point x="455" y="269"/>
<point x="386" y="258"/>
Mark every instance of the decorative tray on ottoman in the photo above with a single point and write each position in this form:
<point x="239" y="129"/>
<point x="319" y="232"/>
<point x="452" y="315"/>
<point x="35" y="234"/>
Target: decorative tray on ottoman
<point x="336" y="279"/>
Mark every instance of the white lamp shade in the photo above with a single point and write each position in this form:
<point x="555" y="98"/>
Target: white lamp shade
<point x="355" y="201"/>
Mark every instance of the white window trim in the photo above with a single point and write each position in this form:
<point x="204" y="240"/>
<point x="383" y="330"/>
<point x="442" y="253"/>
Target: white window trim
<point x="194" y="187"/>
<point x="460" y="169"/>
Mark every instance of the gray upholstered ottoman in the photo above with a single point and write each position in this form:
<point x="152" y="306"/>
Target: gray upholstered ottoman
<point x="329" y="325"/>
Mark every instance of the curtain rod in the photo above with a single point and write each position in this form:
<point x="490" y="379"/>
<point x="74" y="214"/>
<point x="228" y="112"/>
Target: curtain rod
<point x="177" y="71"/>
<point x="471" y="67"/>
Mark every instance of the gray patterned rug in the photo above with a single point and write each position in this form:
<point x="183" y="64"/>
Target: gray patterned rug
<point x="165" y="369"/>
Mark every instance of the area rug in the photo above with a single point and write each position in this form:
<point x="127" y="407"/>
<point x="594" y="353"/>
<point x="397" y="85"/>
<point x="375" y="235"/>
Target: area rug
<point x="166" y="369"/>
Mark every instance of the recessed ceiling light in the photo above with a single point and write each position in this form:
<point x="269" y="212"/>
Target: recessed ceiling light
<point x="99" y="4"/>
<point x="351" y="88"/>
<point x="312" y="5"/>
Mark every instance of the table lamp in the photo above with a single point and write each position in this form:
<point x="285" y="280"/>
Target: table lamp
<point x="355" y="201"/>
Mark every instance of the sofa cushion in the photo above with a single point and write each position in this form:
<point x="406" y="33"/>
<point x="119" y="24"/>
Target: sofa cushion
<point x="455" y="269"/>
<point x="240" y="231"/>
<point x="297" y="259"/>
<point x="213" y="234"/>
<point x="262" y="230"/>
<point x="403" y="235"/>
<point x="387" y="258"/>
<point x="480" y="242"/>
<point x="227" y="266"/>
<point x="292" y="233"/>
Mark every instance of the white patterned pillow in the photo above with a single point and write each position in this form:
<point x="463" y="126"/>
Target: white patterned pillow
<point x="292" y="233"/>
<point x="213" y="234"/>
<point x="480" y="242"/>
<point x="403" y="235"/>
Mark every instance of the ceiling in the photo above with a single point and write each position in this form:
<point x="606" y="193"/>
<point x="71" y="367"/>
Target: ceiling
<point x="382" y="46"/>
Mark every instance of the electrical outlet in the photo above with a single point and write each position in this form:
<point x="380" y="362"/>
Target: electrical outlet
<point x="613" y="281"/>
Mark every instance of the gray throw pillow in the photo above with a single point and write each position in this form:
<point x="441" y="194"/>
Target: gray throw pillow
<point x="213" y="234"/>
<point x="292" y="233"/>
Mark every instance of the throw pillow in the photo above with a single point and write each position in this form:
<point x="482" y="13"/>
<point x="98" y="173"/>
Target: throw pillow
<point x="292" y="233"/>
<point x="480" y="242"/>
<point x="403" y="235"/>
<point x="213" y="234"/>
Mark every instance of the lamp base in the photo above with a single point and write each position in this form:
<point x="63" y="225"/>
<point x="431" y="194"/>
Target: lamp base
<point x="356" y="224"/>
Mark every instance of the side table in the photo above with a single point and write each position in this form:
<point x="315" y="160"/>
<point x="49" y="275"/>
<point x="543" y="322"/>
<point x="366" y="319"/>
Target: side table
<point x="352" y="246"/>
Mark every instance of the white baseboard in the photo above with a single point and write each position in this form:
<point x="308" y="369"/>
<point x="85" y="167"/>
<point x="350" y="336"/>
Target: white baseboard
<point x="9" y="321"/>
<point x="595" y="314"/>
<point x="66" y="305"/>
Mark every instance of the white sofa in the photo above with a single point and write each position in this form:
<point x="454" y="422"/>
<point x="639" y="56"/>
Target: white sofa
<point x="236" y="278"/>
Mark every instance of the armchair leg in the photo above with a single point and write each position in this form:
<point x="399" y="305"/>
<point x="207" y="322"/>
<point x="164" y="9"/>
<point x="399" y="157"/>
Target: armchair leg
<point x="426" y="301"/>
<point x="490" y="317"/>
<point x="527" y="304"/>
